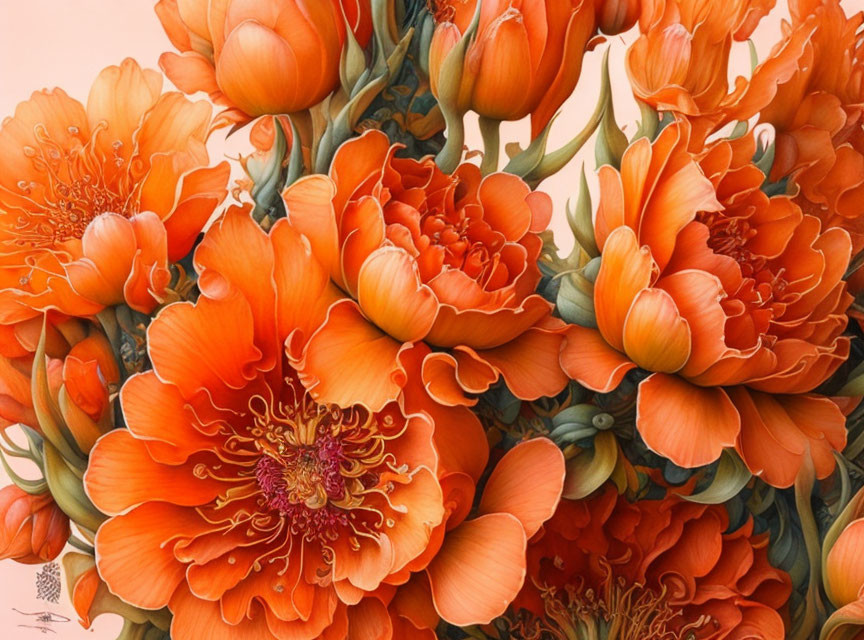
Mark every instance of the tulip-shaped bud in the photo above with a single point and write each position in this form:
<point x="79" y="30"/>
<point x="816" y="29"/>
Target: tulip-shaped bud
<point x="844" y="567"/>
<point x="33" y="529"/>
<point x="525" y="58"/>
<point x="89" y="375"/>
<point x="616" y="16"/>
<point x="264" y="56"/>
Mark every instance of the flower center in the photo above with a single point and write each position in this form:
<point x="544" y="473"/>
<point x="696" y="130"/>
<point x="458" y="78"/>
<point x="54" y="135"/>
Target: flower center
<point x="73" y="191"/>
<point x="617" y="611"/>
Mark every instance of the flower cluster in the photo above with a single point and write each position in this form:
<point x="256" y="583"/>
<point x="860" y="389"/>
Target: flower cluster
<point x="346" y="387"/>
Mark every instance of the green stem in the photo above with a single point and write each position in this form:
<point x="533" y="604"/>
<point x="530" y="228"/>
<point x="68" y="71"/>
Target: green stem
<point x="450" y="155"/>
<point x="491" y="131"/>
<point x="814" y="608"/>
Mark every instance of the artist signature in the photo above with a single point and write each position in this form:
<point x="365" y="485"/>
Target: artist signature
<point x="41" y="620"/>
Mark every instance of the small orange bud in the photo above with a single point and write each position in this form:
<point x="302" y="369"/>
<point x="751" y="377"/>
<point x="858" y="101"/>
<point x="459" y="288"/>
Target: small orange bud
<point x="33" y="529"/>
<point x="525" y="59"/>
<point x="844" y="566"/>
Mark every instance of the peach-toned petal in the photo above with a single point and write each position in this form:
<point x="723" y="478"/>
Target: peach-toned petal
<point x="309" y="206"/>
<point x="109" y="248"/>
<point x="625" y="270"/>
<point x="196" y="355"/>
<point x="534" y="502"/>
<point x="530" y="364"/>
<point x="656" y="337"/>
<point x="118" y="100"/>
<point x="135" y="555"/>
<point x="121" y="474"/>
<point x="233" y="256"/>
<point x="588" y="359"/>
<point x="157" y="414"/>
<point x="479" y="570"/>
<point x="201" y="191"/>
<point x="503" y="197"/>
<point x="690" y="425"/>
<point x="486" y="330"/>
<point x="392" y="296"/>
<point x="844" y="567"/>
<point x="304" y="291"/>
<point x="374" y="376"/>
<point x="149" y="275"/>
<point x="190" y="72"/>
<point x="196" y="618"/>
<point x="369" y="620"/>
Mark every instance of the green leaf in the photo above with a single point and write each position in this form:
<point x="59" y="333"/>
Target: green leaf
<point x="589" y="469"/>
<point x="731" y="476"/>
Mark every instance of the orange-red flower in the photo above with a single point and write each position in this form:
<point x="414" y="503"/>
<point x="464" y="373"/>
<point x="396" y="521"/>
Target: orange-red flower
<point x="449" y="260"/>
<point x="96" y="202"/>
<point x="525" y="59"/>
<point x="251" y="508"/>
<point x="33" y="530"/>
<point x="818" y="116"/>
<point x="733" y="300"/>
<point x="652" y="569"/>
<point x="680" y="62"/>
<point x="262" y="56"/>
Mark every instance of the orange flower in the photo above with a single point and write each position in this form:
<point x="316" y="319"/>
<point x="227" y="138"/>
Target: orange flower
<point x="33" y="530"/>
<point x="525" y="59"/>
<point x="652" y="569"/>
<point x="731" y="298"/>
<point x="256" y="509"/>
<point x="426" y="256"/>
<point x="95" y="203"/>
<point x="680" y="62"/>
<point x="818" y="113"/>
<point x="263" y="56"/>
<point x="843" y="573"/>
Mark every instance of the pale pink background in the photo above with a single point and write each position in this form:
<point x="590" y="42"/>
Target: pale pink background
<point x="47" y="43"/>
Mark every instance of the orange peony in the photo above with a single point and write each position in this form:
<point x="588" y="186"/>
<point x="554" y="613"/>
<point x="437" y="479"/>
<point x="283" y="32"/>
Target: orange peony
<point x="252" y="508"/>
<point x="260" y="56"/>
<point x="680" y="62"/>
<point x="734" y="302"/>
<point x="96" y="202"/>
<point x="449" y="260"/>
<point x="818" y="115"/>
<point x="33" y="530"/>
<point x="649" y="570"/>
<point x="525" y="58"/>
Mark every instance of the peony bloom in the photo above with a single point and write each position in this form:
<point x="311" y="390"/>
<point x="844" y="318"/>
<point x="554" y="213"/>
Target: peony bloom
<point x="680" y="62"/>
<point x="734" y="302"/>
<point x="262" y="56"/>
<point x="525" y="59"/>
<point x="33" y="530"/>
<point x="96" y="202"/>
<point x="817" y="115"/>
<point x="650" y="570"/>
<point x="449" y="260"/>
<point x="251" y="508"/>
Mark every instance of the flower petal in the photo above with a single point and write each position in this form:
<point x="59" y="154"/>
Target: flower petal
<point x="532" y="503"/>
<point x="690" y="425"/>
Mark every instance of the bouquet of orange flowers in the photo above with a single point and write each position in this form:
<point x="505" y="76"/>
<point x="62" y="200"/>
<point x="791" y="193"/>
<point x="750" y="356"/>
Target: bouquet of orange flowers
<point x="346" y="386"/>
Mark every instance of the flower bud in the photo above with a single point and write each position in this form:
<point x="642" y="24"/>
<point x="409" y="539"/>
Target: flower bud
<point x="33" y="529"/>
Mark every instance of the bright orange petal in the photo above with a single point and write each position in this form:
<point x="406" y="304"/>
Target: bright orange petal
<point x="391" y="294"/>
<point x="844" y="567"/>
<point x="588" y="359"/>
<point x="656" y="337"/>
<point x="479" y="570"/>
<point x="534" y="502"/>
<point x="135" y="552"/>
<point x="690" y="425"/>
<point x="626" y="269"/>
<point x="374" y="377"/>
